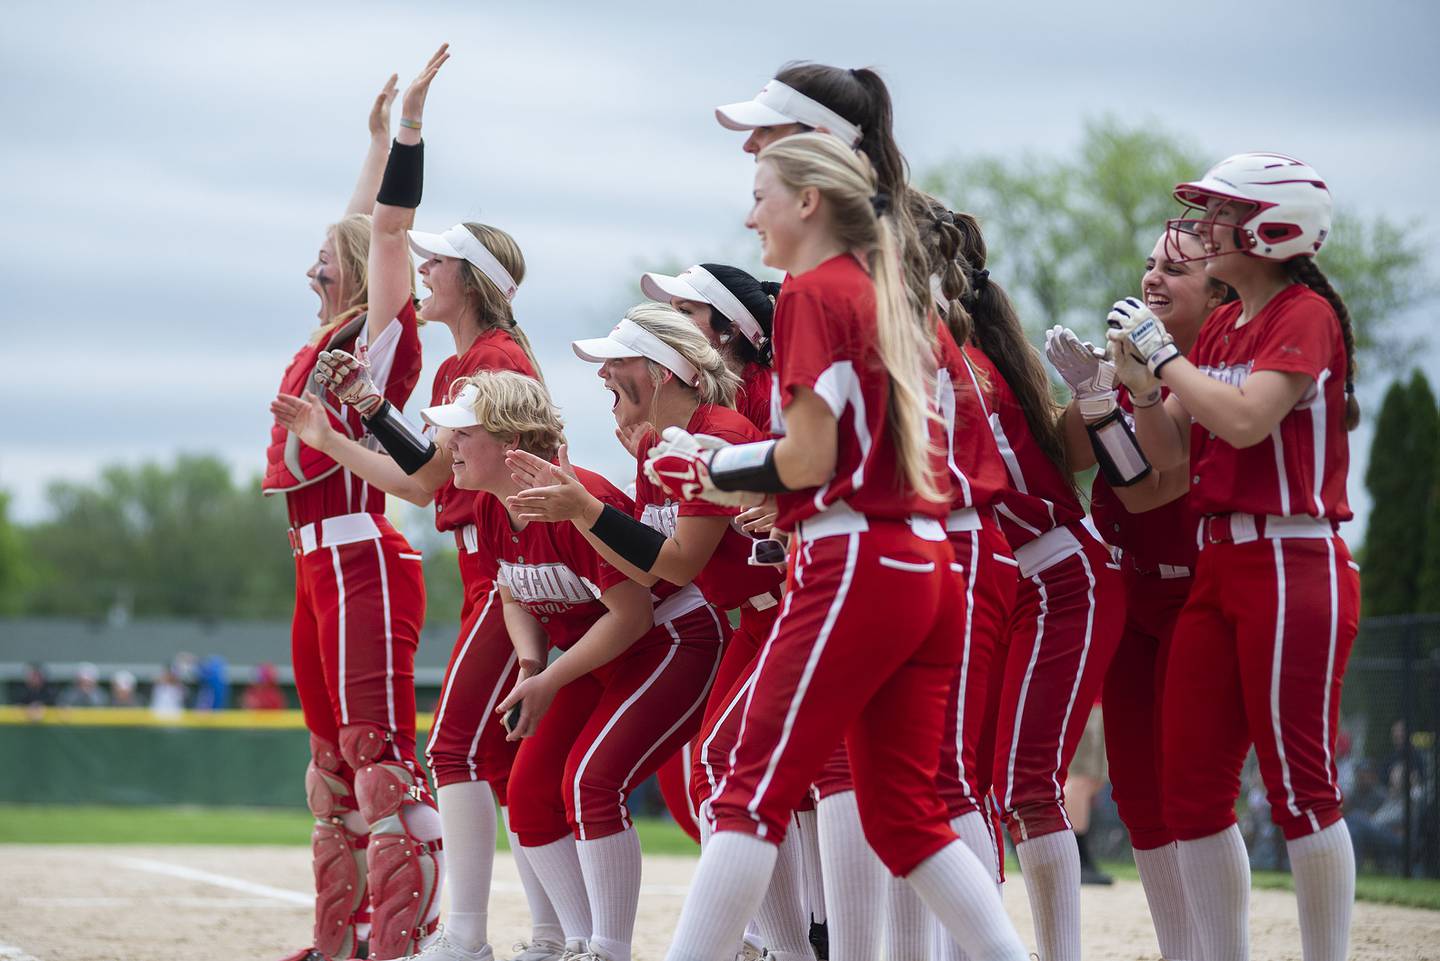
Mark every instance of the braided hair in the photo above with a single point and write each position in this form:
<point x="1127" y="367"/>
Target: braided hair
<point x="1304" y="270"/>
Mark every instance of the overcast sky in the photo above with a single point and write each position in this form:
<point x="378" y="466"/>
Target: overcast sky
<point x="170" y="168"/>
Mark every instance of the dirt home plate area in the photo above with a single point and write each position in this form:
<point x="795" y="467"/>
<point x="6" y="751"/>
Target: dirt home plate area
<point x="144" y="903"/>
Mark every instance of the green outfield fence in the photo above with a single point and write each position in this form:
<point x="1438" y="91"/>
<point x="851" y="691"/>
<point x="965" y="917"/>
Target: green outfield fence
<point x="1388" y="756"/>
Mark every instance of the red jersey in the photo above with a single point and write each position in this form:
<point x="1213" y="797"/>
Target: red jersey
<point x="977" y="473"/>
<point x="550" y="568"/>
<point x="495" y="349"/>
<point x="1300" y="468"/>
<point x="727" y="580"/>
<point x="1165" y="535"/>
<point x="825" y="338"/>
<point x="316" y="487"/>
<point x="752" y="399"/>
<point x="1038" y="496"/>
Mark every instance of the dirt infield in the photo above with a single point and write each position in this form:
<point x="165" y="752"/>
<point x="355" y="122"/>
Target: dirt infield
<point x="134" y="903"/>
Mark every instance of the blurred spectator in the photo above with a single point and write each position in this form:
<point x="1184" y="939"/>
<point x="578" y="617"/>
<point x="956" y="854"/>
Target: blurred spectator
<point x="184" y="666"/>
<point x="122" y="691"/>
<point x="167" y="697"/>
<point x="85" y="692"/>
<point x="34" y="690"/>
<point x="265" y="693"/>
<point x="1374" y="818"/>
<point x="213" y="693"/>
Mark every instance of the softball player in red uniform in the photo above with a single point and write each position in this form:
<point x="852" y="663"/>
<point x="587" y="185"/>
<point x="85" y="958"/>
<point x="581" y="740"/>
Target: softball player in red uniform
<point x="867" y="502"/>
<point x="359" y="604"/>
<point x="1255" y="427"/>
<point x="1157" y="556"/>
<point x="1067" y="615"/>
<point x="472" y="272"/>
<point x="627" y="691"/>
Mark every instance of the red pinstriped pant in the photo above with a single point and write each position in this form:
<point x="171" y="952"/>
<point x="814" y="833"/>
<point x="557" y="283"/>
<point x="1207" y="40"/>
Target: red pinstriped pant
<point x="1062" y="634"/>
<point x="608" y="731"/>
<point x="1258" y="656"/>
<point x="467" y="740"/>
<point x="358" y="611"/>
<point x="1133" y="698"/>
<point x="840" y="663"/>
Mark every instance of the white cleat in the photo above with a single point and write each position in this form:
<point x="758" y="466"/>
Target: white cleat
<point x="442" y="948"/>
<point x="539" y="951"/>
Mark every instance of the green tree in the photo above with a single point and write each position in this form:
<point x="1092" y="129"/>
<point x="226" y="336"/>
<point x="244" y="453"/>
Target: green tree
<point x="181" y="540"/>
<point x="1069" y="235"/>
<point x="1401" y="480"/>
<point x="1427" y="588"/>
<point x="13" y="564"/>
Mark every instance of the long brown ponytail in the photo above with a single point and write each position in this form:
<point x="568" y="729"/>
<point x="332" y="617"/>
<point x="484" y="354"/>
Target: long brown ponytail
<point x="999" y="334"/>
<point x="1305" y="271"/>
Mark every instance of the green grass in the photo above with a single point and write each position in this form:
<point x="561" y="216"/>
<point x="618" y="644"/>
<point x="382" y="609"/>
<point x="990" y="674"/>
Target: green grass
<point x="56" y="824"/>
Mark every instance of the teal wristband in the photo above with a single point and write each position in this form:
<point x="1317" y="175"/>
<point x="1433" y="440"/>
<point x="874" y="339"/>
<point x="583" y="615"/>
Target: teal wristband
<point x="410" y="124"/>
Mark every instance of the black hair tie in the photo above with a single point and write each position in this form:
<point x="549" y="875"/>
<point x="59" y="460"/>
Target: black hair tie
<point x="880" y="203"/>
<point x="979" y="279"/>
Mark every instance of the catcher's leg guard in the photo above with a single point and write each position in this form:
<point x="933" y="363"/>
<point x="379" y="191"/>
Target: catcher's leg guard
<point x="338" y="852"/>
<point x="403" y="874"/>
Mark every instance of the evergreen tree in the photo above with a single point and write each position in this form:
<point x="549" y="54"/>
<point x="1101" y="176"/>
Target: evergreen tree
<point x="1401" y="481"/>
<point x="1427" y="528"/>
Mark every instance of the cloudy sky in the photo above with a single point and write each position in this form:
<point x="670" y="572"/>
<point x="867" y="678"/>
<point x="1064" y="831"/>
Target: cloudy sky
<point x="170" y="168"/>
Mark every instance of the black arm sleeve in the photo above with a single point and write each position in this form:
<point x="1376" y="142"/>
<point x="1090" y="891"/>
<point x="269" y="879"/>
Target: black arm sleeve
<point x="410" y="448"/>
<point x="747" y="467"/>
<point x="637" y="542"/>
<point x="1121" y="460"/>
<point x="404" y="176"/>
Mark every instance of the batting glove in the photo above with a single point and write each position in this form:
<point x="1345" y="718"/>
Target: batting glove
<point x="1146" y="334"/>
<point x="347" y="379"/>
<point x="680" y="466"/>
<point x="1084" y="369"/>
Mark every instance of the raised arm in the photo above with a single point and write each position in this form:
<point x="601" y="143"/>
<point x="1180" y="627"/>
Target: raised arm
<point x="399" y="194"/>
<point x="367" y="185"/>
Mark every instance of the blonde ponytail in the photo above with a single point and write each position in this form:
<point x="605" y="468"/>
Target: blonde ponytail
<point x="905" y="339"/>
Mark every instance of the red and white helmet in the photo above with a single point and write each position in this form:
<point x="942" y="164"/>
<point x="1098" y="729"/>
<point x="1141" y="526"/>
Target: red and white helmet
<point x="1291" y="206"/>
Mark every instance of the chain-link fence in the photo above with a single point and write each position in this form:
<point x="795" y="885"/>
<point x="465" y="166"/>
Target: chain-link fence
<point x="1387" y="754"/>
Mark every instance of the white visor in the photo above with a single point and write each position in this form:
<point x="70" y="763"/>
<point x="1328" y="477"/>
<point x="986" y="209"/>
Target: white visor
<point x="460" y="243"/>
<point x="460" y="412"/>
<point x="942" y="303"/>
<point x="778" y="104"/>
<point x="700" y="285"/>
<point x="629" y="339"/>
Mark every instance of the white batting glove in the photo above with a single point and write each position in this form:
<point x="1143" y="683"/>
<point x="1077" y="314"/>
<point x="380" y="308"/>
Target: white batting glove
<point x="347" y="378"/>
<point x="1083" y="367"/>
<point x="1146" y="334"/>
<point x="680" y="466"/>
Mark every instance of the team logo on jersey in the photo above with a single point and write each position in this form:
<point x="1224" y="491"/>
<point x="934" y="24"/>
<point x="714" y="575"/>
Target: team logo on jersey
<point x="542" y="583"/>
<point x="1234" y="376"/>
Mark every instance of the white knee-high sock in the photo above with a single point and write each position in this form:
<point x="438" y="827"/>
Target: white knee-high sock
<point x="423" y="822"/>
<point x="907" y="921"/>
<point x="467" y="818"/>
<point x="725" y="893"/>
<point x="807" y="827"/>
<point x="1051" y="866"/>
<point x="959" y="890"/>
<point x="855" y="881"/>
<point x="544" y="922"/>
<point x="558" y="867"/>
<point x="784" y="925"/>
<point x="611" y="866"/>
<point x="974" y="830"/>
<point x="1165" y="893"/>
<point x="1216" y="874"/>
<point x="1323" y="865"/>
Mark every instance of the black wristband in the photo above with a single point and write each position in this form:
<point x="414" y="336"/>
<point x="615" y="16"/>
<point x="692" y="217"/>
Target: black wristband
<point x="634" y="540"/>
<point x="1121" y="460"/>
<point x="404" y="176"/>
<point x="410" y="448"/>
<point x="747" y="467"/>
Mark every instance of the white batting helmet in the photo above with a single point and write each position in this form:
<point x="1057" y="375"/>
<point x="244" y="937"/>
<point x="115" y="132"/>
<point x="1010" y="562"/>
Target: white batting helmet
<point x="1292" y="206"/>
